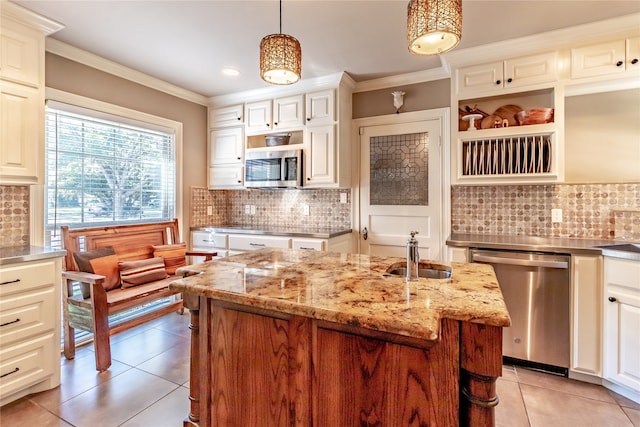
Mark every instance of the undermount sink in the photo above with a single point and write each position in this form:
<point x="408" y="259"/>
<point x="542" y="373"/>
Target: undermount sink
<point x="425" y="269"/>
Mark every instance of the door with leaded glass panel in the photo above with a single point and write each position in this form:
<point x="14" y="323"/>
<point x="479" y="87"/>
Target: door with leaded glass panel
<point x="400" y="188"/>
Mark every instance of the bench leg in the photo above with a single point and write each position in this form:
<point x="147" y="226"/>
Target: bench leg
<point x="68" y="332"/>
<point x="101" y="333"/>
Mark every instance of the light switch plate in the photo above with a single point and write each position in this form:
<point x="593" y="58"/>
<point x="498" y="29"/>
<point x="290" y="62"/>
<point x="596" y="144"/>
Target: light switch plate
<point x="247" y="209"/>
<point x="209" y="210"/>
<point x="343" y="197"/>
<point x="253" y="209"/>
<point x="556" y="215"/>
<point x="306" y="209"/>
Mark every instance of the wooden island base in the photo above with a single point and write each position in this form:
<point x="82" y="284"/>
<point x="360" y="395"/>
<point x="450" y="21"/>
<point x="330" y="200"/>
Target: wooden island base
<point x="251" y="367"/>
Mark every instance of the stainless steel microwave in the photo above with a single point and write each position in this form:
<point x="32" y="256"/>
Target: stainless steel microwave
<point x="273" y="169"/>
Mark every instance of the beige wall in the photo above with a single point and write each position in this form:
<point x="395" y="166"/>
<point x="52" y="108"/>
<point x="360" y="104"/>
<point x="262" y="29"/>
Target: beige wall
<point x="70" y="76"/>
<point x="602" y="137"/>
<point x="418" y="97"/>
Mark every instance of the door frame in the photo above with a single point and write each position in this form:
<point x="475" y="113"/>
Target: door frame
<point x="444" y="117"/>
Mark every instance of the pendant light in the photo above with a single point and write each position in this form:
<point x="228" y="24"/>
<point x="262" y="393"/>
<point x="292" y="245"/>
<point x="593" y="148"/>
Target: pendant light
<point x="280" y="58"/>
<point x="433" y="26"/>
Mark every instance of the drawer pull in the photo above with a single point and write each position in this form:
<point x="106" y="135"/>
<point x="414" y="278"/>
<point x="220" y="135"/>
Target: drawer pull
<point x="10" y="281"/>
<point x="308" y="249"/>
<point x="9" y="373"/>
<point x="10" y="323"/>
<point x="260" y="245"/>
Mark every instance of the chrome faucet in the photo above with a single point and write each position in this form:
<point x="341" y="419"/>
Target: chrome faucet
<point x="413" y="258"/>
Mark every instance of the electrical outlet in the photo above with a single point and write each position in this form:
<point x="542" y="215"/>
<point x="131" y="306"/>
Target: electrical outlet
<point x="209" y="210"/>
<point x="306" y="210"/>
<point x="343" y="197"/>
<point x="556" y="215"/>
<point x="247" y="209"/>
<point x="253" y="209"/>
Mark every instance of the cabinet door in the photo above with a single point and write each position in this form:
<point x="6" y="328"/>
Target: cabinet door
<point x="320" y="156"/>
<point x="20" y="129"/>
<point x="309" y="244"/>
<point x="530" y="70"/>
<point x="586" y="314"/>
<point x="622" y="322"/>
<point x="458" y="254"/>
<point x="226" y="146"/>
<point x="19" y="54"/>
<point x="288" y="112"/>
<point x="257" y="116"/>
<point x="479" y="78"/>
<point x="226" y="116"/>
<point x="226" y="177"/>
<point x="320" y="107"/>
<point x="598" y="60"/>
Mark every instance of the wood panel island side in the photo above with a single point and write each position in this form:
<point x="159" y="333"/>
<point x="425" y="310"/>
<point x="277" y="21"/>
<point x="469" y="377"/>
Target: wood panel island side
<point x="304" y="338"/>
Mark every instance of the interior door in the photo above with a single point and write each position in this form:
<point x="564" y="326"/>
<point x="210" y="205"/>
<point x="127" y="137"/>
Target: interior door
<point x="400" y="188"/>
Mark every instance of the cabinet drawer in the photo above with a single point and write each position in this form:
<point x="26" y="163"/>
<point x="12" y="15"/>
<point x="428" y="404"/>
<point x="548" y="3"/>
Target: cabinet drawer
<point x="26" y="314"/>
<point x="204" y="239"/>
<point x="248" y="243"/>
<point x="26" y="276"/>
<point x="26" y="364"/>
<point x="309" y="244"/>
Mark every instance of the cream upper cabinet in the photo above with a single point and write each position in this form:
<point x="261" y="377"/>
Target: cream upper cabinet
<point x="226" y="177"/>
<point x="494" y="77"/>
<point x="606" y="59"/>
<point x="622" y="322"/>
<point x="284" y="113"/>
<point x="232" y="115"/>
<point x="320" y="107"/>
<point x="226" y="146"/>
<point x="320" y="156"/>
<point x="22" y="36"/>
<point x="586" y="314"/>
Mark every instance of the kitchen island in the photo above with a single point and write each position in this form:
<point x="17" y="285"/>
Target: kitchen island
<point x="286" y="337"/>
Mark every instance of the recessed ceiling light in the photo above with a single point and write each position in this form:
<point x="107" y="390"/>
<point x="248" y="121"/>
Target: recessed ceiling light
<point x="230" y="72"/>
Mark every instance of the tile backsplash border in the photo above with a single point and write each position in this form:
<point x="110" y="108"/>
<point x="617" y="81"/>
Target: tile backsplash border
<point x="589" y="211"/>
<point x="14" y="221"/>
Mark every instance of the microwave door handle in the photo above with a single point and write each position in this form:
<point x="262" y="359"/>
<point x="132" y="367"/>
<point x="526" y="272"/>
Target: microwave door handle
<point x="522" y="262"/>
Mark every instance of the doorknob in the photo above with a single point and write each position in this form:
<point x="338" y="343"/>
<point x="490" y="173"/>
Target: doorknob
<point x="365" y="233"/>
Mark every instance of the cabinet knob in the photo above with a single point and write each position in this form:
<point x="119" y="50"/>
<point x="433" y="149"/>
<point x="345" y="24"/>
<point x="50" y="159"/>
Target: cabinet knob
<point x="239" y="118"/>
<point x="268" y="125"/>
<point x="498" y="82"/>
<point x="619" y="64"/>
<point x="509" y="80"/>
<point x="634" y="61"/>
<point x="275" y="124"/>
<point x="239" y="158"/>
<point x="309" y="118"/>
<point x="613" y="299"/>
<point x="239" y="182"/>
<point x="308" y="179"/>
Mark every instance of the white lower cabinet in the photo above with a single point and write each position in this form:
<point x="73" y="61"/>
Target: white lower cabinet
<point x="586" y="315"/>
<point x="456" y="254"/>
<point x="29" y="327"/>
<point x="248" y="242"/>
<point x="209" y="241"/>
<point x="621" y="349"/>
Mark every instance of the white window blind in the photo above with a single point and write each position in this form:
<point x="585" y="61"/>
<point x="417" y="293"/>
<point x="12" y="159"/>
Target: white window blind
<point x="102" y="169"/>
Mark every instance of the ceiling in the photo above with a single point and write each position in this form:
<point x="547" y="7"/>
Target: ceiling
<point x="188" y="43"/>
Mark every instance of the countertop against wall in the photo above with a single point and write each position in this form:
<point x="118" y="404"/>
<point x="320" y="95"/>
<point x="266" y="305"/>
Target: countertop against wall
<point x="317" y="233"/>
<point x="547" y="244"/>
<point x="17" y="254"/>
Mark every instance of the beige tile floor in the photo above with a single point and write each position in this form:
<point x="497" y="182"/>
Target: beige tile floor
<point x="147" y="386"/>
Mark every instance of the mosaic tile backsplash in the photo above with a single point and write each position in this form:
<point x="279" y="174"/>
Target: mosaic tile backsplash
<point x="274" y="208"/>
<point x="14" y="222"/>
<point x="589" y="211"/>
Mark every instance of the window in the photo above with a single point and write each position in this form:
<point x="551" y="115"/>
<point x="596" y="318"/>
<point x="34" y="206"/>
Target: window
<point x="105" y="169"/>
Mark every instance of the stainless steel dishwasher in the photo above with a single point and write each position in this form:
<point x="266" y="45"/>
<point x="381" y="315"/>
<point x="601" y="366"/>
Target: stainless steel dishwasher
<point x="536" y="290"/>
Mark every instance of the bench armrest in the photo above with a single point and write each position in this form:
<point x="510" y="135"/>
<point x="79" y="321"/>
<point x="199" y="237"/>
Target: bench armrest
<point x="207" y="255"/>
<point x="81" y="276"/>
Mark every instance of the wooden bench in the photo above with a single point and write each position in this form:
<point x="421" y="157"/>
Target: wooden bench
<point x="130" y="242"/>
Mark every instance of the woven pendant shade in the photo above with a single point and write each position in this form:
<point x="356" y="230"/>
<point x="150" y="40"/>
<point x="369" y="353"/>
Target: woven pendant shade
<point x="433" y="26"/>
<point x="280" y="59"/>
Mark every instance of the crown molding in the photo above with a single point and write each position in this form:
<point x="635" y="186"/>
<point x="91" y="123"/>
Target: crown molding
<point x="86" y="58"/>
<point x="563" y="38"/>
<point x="25" y="16"/>
<point x="442" y="72"/>
<point x="305" y="85"/>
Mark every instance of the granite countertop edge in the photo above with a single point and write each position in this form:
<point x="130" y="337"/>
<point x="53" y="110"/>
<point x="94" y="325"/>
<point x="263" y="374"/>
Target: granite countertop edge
<point x="319" y="233"/>
<point x="18" y="254"/>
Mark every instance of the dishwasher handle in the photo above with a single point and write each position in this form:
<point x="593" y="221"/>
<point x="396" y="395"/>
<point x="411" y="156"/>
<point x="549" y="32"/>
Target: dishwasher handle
<point x="523" y="262"/>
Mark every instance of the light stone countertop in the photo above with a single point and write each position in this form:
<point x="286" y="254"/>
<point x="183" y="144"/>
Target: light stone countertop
<point x="349" y="289"/>
<point x="17" y="254"/>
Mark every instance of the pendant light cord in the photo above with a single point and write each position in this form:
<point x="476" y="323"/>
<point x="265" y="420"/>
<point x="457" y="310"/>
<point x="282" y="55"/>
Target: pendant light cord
<point x="280" y="16"/>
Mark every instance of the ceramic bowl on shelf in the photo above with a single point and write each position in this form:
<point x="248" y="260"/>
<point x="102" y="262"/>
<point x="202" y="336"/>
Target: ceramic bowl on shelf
<point x="277" y="139"/>
<point x="535" y="116"/>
